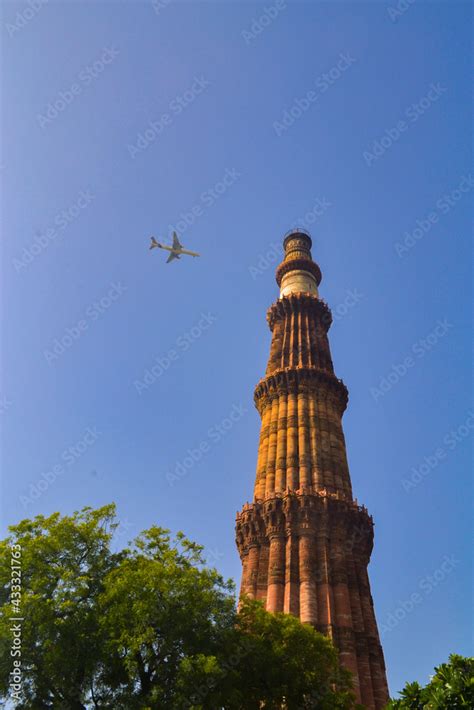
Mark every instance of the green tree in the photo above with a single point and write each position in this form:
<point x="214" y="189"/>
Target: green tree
<point x="159" y="607"/>
<point x="150" y="627"/>
<point x="276" y="659"/>
<point x="451" y="687"/>
<point x="63" y="563"/>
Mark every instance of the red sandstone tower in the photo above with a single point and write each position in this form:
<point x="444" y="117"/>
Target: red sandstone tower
<point x="304" y="542"/>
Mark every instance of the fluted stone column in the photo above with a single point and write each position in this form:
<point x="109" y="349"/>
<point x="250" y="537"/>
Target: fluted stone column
<point x="262" y="577"/>
<point x="292" y="474"/>
<point x="276" y="573"/>
<point x="292" y="578"/>
<point x="308" y="593"/>
<point x="272" y="447"/>
<point x="304" y="440"/>
<point x="280" y="473"/>
<point x="252" y="570"/>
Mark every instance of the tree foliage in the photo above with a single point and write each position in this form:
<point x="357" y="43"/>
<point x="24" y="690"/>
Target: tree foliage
<point x="149" y="626"/>
<point x="64" y="561"/>
<point x="451" y="687"/>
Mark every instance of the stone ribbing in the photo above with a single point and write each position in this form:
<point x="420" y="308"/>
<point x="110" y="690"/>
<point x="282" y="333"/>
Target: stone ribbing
<point x="301" y="441"/>
<point x="305" y="544"/>
<point x="307" y="554"/>
<point x="301" y="403"/>
<point x="299" y="324"/>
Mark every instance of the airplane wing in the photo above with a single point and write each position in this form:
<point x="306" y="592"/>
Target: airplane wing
<point x="172" y="256"/>
<point x="176" y="242"/>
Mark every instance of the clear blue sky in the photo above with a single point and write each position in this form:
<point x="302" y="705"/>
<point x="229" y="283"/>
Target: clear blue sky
<point x="376" y="162"/>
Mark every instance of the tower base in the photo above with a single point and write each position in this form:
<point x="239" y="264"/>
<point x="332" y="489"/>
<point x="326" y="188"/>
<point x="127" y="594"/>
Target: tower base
<point x="306" y="553"/>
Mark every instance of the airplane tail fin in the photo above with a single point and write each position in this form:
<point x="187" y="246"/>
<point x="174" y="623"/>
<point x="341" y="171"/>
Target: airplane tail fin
<point x="154" y="244"/>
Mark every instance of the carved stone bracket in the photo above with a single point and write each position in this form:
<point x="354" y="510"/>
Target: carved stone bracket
<point x="300" y="380"/>
<point x="294" y="264"/>
<point x="298" y="303"/>
<point x="301" y="513"/>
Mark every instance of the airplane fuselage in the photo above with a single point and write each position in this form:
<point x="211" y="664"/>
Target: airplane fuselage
<point x="178" y="251"/>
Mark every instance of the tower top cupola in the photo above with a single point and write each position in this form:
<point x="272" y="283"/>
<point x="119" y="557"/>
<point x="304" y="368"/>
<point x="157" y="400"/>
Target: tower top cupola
<point x="298" y="273"/>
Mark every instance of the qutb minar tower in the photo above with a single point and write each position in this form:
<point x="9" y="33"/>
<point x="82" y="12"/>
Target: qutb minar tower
<point x="304" y="542"/>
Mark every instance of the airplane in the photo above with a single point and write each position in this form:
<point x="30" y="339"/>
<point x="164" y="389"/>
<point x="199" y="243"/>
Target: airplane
<point x="176" y="249"/>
